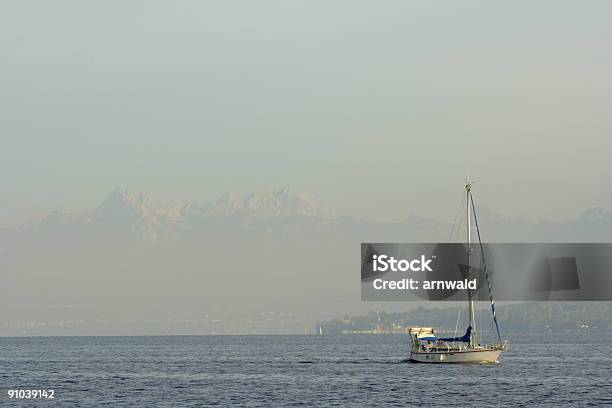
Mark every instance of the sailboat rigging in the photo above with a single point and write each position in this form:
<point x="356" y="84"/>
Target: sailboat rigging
<point x="428" y="348"/>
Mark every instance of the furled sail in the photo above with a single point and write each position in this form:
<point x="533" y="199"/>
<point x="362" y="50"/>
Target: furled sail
<point x="484" y="264"/>
<point x="465" y="338"/>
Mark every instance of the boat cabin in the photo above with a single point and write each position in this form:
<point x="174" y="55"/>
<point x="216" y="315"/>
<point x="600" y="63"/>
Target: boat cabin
<point x="425" y="340"/>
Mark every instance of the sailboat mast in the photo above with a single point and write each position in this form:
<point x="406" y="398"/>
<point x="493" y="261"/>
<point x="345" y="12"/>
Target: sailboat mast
<point x="472" y="323"/>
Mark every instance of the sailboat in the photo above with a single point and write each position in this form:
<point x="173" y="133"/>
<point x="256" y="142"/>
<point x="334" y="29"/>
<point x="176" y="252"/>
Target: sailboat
<point x="427" y="347"/>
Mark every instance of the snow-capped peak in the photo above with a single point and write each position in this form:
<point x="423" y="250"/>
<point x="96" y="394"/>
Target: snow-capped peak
<point x="266" y="201"/>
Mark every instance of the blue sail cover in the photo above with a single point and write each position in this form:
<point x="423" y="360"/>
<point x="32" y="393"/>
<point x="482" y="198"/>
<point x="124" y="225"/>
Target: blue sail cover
<point x="465" y="338"/>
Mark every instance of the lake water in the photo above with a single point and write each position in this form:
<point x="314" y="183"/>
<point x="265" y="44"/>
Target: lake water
<point x="351" y="370"/>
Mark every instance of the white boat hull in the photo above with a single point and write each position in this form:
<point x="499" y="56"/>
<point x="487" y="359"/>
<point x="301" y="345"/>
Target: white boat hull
<point x="463" y="356"/>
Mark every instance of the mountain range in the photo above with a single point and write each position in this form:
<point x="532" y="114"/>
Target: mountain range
<point x="128" y="265"/>
<point x="135" y="216"/>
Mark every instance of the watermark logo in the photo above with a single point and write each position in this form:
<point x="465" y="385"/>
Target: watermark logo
<point x="384" y="263"/>
<point x="513" y="271"/>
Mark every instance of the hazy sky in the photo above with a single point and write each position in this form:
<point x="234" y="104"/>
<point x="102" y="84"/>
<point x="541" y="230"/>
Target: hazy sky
<point x="380" y="108"/>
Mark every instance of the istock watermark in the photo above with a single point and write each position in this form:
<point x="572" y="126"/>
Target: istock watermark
<point x="383" y="263"/>
<point x="516" y="271"/>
